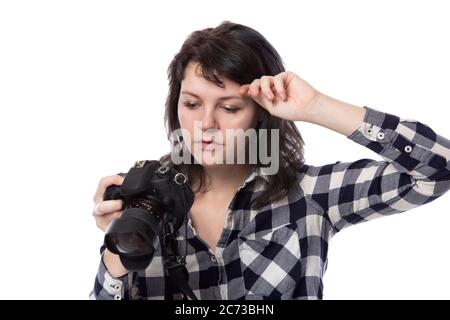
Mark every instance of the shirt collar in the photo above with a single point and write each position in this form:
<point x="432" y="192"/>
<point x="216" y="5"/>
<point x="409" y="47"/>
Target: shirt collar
<point x="257" y="172"/>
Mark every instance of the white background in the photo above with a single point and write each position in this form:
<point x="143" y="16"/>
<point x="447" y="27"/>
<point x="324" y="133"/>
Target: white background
<point x="82" y="92"/>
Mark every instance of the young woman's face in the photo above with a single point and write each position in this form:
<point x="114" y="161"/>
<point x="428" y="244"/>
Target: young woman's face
<point x="206" y="111"/>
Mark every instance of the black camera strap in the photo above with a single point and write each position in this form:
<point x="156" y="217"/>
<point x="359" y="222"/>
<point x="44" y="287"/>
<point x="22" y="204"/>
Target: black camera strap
<point x="176" y="274"/>
<point x="179" y="276"/>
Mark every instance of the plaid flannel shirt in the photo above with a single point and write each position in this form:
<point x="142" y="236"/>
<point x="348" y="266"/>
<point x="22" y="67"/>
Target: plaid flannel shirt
<point x="280" y="250"/>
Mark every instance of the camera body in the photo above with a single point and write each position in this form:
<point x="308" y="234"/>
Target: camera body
<point x="157" y="199"/>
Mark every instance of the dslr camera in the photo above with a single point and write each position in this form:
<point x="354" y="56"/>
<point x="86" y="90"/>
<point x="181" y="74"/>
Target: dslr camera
<point x="157" y="199"/>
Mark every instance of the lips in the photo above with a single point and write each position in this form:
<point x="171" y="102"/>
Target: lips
<point x="207" y="141"/>
<point x="208" y="144"/>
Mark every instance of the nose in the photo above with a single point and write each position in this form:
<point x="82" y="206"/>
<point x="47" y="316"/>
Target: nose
<point x="208" y="119"/>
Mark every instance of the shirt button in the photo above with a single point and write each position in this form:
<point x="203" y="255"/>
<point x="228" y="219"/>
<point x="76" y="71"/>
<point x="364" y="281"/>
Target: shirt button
<point x="117" y="297"/>
<point x="214" y="259"/>
<point x="117" y="287"/>
<point x="380" y="135"/>
<point x="369" y="131"/>
<point x="408" y="149"/>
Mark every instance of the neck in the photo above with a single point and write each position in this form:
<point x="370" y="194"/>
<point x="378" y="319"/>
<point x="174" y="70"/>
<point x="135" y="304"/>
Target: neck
<point x="226" y="178"/>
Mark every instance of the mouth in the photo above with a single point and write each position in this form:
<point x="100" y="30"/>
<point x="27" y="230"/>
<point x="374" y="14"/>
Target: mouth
<point x="208" y="144"/>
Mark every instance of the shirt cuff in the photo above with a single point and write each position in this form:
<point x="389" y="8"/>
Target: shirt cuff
<point x="107" y="287"/>
<point x="404" y="145"/>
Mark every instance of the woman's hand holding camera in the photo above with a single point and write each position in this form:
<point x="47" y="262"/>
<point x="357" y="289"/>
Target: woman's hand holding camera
<point x="104" y="212"/>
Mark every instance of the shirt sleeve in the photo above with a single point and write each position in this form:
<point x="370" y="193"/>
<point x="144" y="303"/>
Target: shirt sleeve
<point x="415" y="171"/>
<point x="107" y="287"/>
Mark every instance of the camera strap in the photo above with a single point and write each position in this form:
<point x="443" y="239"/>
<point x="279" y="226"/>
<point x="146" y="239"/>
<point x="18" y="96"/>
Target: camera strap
<point x="179" y="276"/>
<point x="176" y="274"/>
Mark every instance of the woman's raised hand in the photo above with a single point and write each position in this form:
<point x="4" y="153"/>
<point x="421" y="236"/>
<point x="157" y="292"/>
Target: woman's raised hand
<point x="285" y="95"/>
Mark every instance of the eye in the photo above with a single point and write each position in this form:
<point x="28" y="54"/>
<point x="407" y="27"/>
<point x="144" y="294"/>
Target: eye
<point x="190" y="105"/>
<point x="230" y="109"/>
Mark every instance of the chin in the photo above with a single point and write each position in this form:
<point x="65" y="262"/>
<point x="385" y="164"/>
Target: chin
<point x="208" y="160"/>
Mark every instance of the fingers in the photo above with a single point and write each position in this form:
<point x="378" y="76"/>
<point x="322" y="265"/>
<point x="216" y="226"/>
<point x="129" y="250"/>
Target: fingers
<point x="105" y="211"/>
<point x="102" y="222"/>
<point x="278" y="82"/>
<point x="243" y="90"/>
<point x="268" y="86"/>
<point x="254" y="88"/>
<point x="109" y="206"/>
<point x="104" y="183"/>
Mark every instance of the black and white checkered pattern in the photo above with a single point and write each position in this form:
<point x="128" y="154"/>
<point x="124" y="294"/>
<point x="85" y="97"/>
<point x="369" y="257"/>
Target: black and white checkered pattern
<point x="280" y="251"/>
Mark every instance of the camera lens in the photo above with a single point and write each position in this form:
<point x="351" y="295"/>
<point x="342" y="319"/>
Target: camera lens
<point x="130" y="242"/>
<point x="133" y="235"/>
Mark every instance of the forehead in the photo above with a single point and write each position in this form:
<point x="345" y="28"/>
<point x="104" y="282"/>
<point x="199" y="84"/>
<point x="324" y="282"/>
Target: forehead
<point x="194" y="81"/>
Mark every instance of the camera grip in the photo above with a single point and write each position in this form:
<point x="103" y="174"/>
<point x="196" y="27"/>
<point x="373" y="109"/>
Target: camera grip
<point x="112" y="193"/>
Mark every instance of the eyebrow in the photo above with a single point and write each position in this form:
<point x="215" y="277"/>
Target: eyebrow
<point x="221" y="98"/>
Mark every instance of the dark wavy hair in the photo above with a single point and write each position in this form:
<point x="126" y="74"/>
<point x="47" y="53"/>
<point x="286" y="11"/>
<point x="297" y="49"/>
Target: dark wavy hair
<point x="240" y="54"/>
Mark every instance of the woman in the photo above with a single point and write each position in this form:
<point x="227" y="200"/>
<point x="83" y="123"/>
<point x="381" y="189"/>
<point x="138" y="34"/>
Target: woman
<point x="253" y="233"/>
